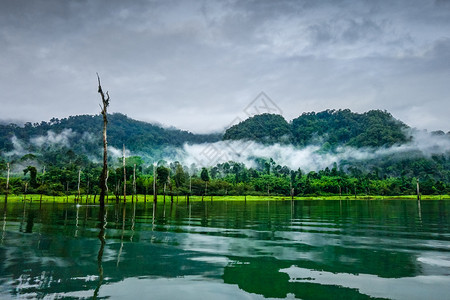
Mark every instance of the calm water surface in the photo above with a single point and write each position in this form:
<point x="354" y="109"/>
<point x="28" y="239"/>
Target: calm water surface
<point x="227" y="250"/>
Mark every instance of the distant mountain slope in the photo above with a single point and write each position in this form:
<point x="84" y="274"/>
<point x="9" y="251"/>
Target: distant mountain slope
<point x="374" y="128"/>
<point x="85" y="131"/>
<point x="265" y="128"/>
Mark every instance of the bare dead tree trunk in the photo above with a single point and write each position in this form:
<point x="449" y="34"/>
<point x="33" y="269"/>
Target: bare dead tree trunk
<point x="7" y="182"/>
<point x="106" y="186"/>
<point x="104" y="174"/>
<point x="79" y="179"/>
<point x="87" y="191"/>
<point x="291" y="190"/>
<point x="117" y="191"/>
<point x="134" y="183"/>
<point x="42" y="181"/>
<point x="418" y="189"/>
<point x="124" y="177"/>
<point x="154" y="184"/>
<point x="25" y="191"/>
<point x="43" y="173"/>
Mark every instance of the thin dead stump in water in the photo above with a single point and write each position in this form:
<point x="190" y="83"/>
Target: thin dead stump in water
<point x="107" y="190"/>
<point x="134" y="184"/>
<point x="104" y="174"/>
<point x="418" y="189"/>
<point x="155" y="194"/>
<point x="7" y="182"/>
<point x="164" y="193"/>
<point x="79" y="179"/>
<point x="124" y="177"/>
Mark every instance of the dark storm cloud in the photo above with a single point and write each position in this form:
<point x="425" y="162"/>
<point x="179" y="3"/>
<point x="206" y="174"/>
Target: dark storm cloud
<point x="197" y="64"/>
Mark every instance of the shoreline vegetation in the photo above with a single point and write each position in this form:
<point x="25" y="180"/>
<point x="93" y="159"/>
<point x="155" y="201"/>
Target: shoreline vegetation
<point x="182" y="198"/>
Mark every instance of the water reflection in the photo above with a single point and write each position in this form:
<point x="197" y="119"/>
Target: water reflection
<point x="102" y="216"/>
<point x="271" y="249"/>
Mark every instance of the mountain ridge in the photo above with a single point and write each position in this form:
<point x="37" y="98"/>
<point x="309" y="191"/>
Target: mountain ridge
<point x="330" y="128"/>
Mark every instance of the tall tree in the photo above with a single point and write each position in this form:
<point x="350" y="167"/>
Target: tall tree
<point x="104" y="174"/>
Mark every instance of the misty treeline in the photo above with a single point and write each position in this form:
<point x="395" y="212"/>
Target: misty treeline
<point x="373" y="154"/>
<point x="82" y="134"/>
<point x="266" y="177"/>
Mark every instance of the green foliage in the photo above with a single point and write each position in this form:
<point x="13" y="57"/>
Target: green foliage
<point x="204" y="174"/>
<point x="162" y="174"/>
<point x="84" y="135"/>
<point x="374" y="128"/>
<point x="265" y="128"/>
<point x="387" y="175"/>
<point x="33" y="173"/>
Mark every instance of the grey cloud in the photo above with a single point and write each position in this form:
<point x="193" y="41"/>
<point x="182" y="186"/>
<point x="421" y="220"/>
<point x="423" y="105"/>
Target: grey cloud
<point x="196" y="64"/>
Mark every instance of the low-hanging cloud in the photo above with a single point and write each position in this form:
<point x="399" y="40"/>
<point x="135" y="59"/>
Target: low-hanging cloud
<point x="309" y="158"/>
<point x="53" y="138"/>
<point x="18" y="147"/>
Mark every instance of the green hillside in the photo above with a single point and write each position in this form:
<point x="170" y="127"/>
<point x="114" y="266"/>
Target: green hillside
<point x="374" y="128"/>
<point x="265" y="128"/>
<point x="85" y="134"/>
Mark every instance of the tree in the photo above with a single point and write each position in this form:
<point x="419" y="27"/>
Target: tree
<point x="162" y="173"/>
<point x="179" y="176"/>
<point x="204" y="174"/>
<point x="33" y="173"/>
<point x="104" y="174"/>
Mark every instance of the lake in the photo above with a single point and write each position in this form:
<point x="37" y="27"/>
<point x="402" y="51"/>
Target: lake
<point x="382" y="249"/>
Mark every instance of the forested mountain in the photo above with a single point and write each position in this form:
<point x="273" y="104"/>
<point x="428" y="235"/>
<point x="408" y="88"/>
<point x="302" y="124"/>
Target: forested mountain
<point x="330" y="128"/>
<point x="377" y="156"/>
<point x="84" y="132"/>
<point x="265" y="128"/>
<point x="374" y="128"/>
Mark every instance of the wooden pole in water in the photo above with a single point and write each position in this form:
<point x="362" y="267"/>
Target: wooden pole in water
<point x="25" y="192"/>
<point x="124" y="177"/>
<point x="134" y="183"/>
<point x="102" y="203"/>
<point x="7" y="182"/>
<point x="418" y="189"/>
<point x="87" y="190"/>
<point x="43" y="173"/>
<point x="117" y="191"/>
<point x="42" y="182"/>
<point x="190" y="188"/>
<point x="79" y="179"/>
<point x="104" y="174"/>
<point x="155" y="197"/>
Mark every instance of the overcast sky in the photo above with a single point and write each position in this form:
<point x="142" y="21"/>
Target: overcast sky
<point x="197" y="65"/>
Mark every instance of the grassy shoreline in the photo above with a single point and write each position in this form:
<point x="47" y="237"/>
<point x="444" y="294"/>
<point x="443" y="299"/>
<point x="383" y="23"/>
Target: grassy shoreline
<point x="140" y="198"/>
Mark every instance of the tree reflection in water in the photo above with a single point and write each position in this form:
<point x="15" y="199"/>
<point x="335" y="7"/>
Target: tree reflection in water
<point x="101" y="236"/>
